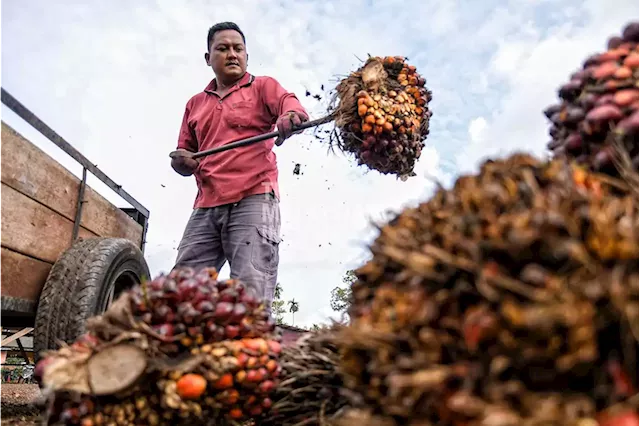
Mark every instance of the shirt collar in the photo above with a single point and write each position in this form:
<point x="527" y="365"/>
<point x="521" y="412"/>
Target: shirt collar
<point x="246" y="80"/>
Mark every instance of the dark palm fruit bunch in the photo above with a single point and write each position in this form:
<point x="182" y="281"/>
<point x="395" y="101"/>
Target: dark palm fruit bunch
<point x="311" y="392"/>
<point x="383" y="115"/>
<point x="196" y="349"/>
<point x="510" y="299"/>
<point x="597" y="117"/>
<point x="186" y="309"/>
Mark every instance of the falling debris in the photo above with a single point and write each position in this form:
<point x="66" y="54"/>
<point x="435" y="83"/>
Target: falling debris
<point x="296" y="169"/>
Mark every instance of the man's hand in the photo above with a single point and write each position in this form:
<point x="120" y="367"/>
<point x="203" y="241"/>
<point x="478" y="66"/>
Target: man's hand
<point x="286" y="122"/>
<point x="183" y="163"/>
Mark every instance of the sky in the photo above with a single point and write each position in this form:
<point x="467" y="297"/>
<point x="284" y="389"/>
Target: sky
<point x="113" y="79"/>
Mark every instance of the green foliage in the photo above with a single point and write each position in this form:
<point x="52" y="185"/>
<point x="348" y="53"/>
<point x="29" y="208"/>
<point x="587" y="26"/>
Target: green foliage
<point x="341" y="296"/>
<point x="340" y="299"/>
<point x="293" y="308"/>
<point x="277" y="306"/>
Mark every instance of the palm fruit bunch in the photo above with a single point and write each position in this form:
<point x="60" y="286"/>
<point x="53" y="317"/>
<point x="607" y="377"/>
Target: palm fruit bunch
<point x="184" y="348"/>
<point x="509" y="299"/>
<point x="596" y="121"/>
<point x="311" y="391"/>
<point x="382" y="115"/>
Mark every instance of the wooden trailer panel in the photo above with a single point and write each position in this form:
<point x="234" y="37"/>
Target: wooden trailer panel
<point x="32" y="172"/>
<point x="33" y="229"/>
<point x="39" y="200"/>
<point x="22" y="277"/>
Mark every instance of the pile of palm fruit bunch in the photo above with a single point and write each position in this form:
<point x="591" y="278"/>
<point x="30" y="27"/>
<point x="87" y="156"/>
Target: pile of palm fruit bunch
<point x="184" y="348"/>
<point x="510" y="299"/>
<point x="381" y="113"/>
<point x="596" y="121"/>
<point x="311" y="391"/>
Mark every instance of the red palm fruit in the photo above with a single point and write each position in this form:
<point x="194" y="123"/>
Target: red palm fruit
<point x="252" y="376"/>
<point x="223" y="310"/>
<point x="274" y="347"/>
<point x="224" y="382"/>
<point x="242" y="359"/>
<point x="235" y="413"/>
<point x="205" y="306"/>
<point x="232" y="331"/>
<point x="255" y="410"/>
<point x="239" y="311"/>
<point x="228" y="295"/>
<point x="164" y="330"/>
<point x="266" y="386"/>
<point x="164" y="313"/>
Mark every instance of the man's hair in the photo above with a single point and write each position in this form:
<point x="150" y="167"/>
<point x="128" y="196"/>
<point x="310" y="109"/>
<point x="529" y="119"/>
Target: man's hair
<point x="221" y="26"/>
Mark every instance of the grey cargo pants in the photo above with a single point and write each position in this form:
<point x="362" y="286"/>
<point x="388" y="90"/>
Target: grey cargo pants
<point x="246" y="233"/>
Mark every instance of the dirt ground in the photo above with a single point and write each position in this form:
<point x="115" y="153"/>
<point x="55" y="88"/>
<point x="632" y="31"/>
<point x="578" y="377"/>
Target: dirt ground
<point x="19" y="405"/>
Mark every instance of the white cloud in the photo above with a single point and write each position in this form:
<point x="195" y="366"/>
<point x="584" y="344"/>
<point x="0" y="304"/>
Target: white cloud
<point x="531" y="68"/>
<point x="477" y="129"/>
<point x="113" y="79"/>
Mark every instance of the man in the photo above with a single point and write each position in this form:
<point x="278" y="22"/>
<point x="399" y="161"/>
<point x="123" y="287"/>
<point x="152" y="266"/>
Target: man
<point x="236" y="214"/>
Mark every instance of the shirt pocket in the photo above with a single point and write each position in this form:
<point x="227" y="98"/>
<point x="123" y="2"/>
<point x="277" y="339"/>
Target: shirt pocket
<point x="243" y="115"/>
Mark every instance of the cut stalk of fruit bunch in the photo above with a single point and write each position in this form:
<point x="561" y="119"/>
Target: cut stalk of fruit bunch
<point x="511" y="298"/>
<point x="382" y="115"/>
<point x="596" y="121"/>
<point x="311" y="391"/>
<point x="184" y="348"/>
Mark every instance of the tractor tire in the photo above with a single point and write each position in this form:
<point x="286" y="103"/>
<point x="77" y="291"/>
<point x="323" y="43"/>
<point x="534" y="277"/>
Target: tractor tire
<point x="82" y="283"/>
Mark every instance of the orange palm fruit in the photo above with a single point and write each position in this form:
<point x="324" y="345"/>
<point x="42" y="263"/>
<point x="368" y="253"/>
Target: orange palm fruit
<point x="191" y="386"/>
<point x="631" y="61"/>
<point x="623" y="72"/>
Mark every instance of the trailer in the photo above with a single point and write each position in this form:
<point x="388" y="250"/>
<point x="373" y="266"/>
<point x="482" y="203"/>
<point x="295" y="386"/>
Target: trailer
<point x="66" y="252"/>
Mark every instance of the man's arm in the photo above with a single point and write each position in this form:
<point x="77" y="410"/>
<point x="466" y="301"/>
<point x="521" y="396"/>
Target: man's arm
<point x="284" y="107"/>
<point x="181" y="160"/>
<point x="279" y="101"/>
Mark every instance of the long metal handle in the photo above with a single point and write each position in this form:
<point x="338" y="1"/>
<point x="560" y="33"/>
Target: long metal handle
<point x="260" y="138"/>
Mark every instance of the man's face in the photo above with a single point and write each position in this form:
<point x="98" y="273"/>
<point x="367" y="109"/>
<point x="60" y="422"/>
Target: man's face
<point x="227" y="55"/>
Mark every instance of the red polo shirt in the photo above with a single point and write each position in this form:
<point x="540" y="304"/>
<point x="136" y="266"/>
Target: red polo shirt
<point x="250" y="108"/>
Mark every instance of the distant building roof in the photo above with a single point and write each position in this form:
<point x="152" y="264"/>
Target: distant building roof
<point x="292" y="328"/>
<point x="291" y="334"/>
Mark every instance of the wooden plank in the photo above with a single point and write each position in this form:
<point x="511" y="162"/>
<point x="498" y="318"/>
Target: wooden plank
<point x="33" y="229"/>
<point x="22" y="276"/>
<point x="32" y="172"/>
<point x="16" y="336"/>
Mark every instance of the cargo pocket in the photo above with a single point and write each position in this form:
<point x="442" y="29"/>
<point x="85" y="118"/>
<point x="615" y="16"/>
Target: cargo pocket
<point x="265" y="250"/>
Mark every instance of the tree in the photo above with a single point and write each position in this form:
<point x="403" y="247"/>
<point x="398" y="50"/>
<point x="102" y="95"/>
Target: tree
<point x="293" y="308"/>
<point x="277" y="292"/>
<point x="341" y="296"/>
<point x="277" y="306"/>
<point x="340" y="299"/>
